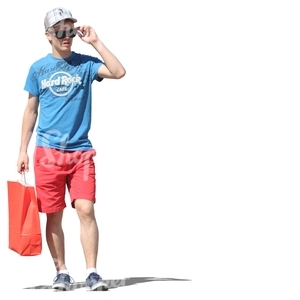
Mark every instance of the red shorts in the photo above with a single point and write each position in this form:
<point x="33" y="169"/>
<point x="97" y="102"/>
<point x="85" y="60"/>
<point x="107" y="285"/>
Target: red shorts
<point x="55" y="170"/>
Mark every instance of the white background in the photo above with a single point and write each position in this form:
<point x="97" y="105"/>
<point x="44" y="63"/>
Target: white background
<point x="197" y="147"/>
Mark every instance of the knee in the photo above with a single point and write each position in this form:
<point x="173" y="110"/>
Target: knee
<point x="55" y="218"/>
<point x="85" y="209"/>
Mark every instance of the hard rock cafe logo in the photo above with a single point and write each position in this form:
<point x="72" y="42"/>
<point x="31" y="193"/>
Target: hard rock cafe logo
<point x="61" y="83"/>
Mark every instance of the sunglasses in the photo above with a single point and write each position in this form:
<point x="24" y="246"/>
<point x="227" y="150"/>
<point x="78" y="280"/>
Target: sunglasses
<point x="61" y="34"/>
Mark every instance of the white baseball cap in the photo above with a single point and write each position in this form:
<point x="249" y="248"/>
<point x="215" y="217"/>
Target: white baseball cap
<point x="56" y="15"/>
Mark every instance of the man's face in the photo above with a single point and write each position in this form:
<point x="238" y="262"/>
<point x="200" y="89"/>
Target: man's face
<point x="61" y="35"/>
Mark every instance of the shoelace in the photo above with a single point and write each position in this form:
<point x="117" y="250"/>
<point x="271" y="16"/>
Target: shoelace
<point x="63" y="276"/>
<point x="95" y="276"/>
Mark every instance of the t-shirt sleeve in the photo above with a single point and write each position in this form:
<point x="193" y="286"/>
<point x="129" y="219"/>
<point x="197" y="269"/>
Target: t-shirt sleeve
<point x="31" y="83"/>
<point x="96" y="64"/>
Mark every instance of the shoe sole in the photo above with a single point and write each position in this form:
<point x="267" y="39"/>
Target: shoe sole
<point x="101" y="286"/>
<point x="60" y="287"/>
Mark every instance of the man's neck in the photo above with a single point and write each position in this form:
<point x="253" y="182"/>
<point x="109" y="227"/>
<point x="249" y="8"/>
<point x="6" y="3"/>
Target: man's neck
<point x="61" y="54"/>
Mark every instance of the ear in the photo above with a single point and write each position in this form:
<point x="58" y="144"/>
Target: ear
<point x="48" y="36"/>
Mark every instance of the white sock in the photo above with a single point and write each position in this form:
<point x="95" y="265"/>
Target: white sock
<point x="63" y="271"/>
<point x="90" y="270"/>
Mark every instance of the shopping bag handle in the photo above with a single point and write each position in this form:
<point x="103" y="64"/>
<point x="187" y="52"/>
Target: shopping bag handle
<point x="23" y="177"/>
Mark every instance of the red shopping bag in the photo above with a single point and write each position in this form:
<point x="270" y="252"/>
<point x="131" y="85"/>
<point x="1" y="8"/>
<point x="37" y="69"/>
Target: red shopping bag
<point x="24" y="221"/>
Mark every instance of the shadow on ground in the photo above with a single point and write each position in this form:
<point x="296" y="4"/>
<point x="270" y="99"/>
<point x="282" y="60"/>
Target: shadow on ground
<point x="115" y="283"/>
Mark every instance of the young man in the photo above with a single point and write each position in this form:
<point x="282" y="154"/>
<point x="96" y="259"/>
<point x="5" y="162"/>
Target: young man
<point x="59" y="91"/>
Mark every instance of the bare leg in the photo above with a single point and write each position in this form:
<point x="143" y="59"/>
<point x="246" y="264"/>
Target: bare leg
<point x="55" y="239"/>
<point x="89" y="234"/>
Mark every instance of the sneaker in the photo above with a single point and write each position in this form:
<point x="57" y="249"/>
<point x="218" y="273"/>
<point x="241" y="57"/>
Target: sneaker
<point x="62" y="282"/>
<point x="94" y="282"/>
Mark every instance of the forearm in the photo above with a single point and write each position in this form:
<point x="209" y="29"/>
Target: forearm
<point x="29" y="120"/>
<point x="111" y="62"/>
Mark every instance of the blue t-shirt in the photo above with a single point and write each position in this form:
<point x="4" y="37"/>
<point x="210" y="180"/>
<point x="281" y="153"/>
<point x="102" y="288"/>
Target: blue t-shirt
<point x="64" y="90"/>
